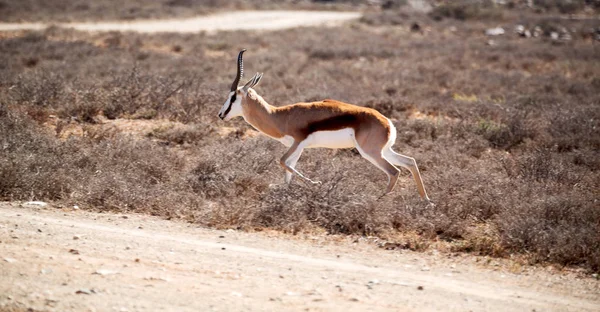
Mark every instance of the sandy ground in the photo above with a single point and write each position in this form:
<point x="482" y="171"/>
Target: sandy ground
<point x="247" y="20"/>
<point x="69" y="260"/>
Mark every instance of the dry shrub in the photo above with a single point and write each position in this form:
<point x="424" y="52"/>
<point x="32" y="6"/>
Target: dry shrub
<point x="41" y="88"/>
<point x="183" y="134"/>
<point x="483" y="239"/>
<point x="560" y="229"/>
<point x="572" y="130"/>
<point x="565" y="7"/>
<point x="507" y="134"/>
<point x="467" y="10"/>
<point x="115" y="173"/>
<point x="27" y="171"/>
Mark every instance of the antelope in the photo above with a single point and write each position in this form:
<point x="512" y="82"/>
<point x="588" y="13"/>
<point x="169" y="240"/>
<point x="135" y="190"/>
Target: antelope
<point x="326" y="123"/>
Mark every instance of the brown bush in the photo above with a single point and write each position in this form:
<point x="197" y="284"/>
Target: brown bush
<point x="465" y="10"/>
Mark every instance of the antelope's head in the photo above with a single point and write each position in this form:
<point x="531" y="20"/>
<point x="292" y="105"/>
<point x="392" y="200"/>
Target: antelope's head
<point x="233" y="106"/>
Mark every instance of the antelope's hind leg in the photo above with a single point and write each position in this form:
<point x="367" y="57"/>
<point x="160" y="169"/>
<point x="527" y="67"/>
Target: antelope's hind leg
<point x="374" y="156"/>
<point x="410" y="164"/>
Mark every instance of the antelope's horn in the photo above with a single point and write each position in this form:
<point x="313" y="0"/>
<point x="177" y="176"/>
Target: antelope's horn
<point x="240" y="71"/>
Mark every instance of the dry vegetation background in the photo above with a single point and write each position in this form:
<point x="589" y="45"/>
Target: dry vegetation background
<point x="507" y="133"/>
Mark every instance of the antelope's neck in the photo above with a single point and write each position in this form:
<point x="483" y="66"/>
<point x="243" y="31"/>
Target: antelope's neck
<point x="260" y="115"/>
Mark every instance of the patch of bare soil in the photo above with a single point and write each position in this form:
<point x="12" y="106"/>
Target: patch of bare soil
<point x="71" y="260"/>
<point x="246" y="20"/>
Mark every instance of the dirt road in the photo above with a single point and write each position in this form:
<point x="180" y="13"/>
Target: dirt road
<point x="70" y="260"/>
<point x="246" y="20"/>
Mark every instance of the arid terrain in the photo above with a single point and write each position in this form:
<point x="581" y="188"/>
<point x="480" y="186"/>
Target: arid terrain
<point x="497" y="102"/>
<point x="67" y="260"/>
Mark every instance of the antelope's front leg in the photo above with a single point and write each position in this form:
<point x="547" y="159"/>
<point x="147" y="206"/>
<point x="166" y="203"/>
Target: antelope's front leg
<point x="292" y="161"/>
<point x="288" y="162"/>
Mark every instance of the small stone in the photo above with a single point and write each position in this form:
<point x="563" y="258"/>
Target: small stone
<point x="46" y="271"/>
<point x="519" y="29"/>
<point x="494" y="31"/>
<point x="104" y="272"/>
<point x="36" y="203"/>
<point x="84" y="291"/>
<point x="419" y="287"/>
<point x="10" y="260"/>
<point x="236" y="294"/>
<point x="76" y="237"/>
<point x="39" y="231"/>
<point x="74" y="251"/>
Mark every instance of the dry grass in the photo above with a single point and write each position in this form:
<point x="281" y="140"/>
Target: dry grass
<point x="507" y="135"/>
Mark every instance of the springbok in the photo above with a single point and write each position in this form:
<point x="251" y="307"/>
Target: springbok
<point x="327" y="123"/>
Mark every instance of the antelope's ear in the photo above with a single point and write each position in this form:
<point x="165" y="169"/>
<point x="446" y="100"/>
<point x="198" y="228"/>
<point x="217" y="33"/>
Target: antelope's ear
<point x="252" y="82"/>
<point x="258" y="78"/>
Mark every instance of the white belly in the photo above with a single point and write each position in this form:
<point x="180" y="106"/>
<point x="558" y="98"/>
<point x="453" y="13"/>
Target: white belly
<point x="331" y="139"/>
